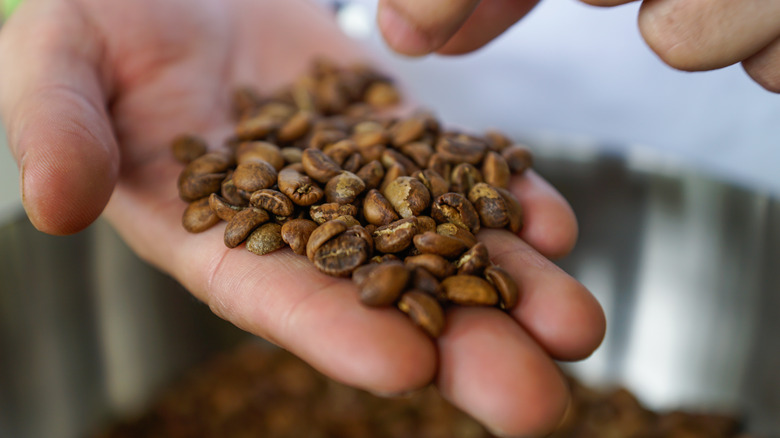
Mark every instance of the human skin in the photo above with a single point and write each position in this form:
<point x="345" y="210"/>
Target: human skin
<point x="92" y="93"/>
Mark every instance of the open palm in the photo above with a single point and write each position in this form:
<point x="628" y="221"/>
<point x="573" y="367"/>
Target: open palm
<point x="92" y="92"/>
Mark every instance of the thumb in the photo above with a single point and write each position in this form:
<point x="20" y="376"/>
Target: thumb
<point x="52" y="99"/>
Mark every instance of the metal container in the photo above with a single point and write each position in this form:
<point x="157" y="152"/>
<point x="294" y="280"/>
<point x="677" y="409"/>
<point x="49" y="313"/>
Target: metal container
<point x="685" y="266"/>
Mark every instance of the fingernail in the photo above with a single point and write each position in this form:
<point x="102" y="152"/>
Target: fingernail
<point x="403" y="394"/>
<point x="401" y="34"/>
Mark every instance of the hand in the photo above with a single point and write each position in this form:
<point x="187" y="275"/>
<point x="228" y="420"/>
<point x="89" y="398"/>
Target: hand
<point x="691" y="35"/>
<point x="92" y="93"/>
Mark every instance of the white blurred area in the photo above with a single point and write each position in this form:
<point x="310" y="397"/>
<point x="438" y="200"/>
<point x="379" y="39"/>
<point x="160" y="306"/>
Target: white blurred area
<point x="569" y="70"/>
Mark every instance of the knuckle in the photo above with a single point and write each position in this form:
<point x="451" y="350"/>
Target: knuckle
<point x="671" y="33"/>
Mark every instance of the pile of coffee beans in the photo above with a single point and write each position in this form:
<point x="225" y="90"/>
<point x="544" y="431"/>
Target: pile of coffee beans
<point x="394" y="202"/>
<point x="255" y="390"/>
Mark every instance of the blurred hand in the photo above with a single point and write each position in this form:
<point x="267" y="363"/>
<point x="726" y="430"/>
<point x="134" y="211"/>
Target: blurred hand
<point x="690" y="35"/>
<point x="93" y="92"/>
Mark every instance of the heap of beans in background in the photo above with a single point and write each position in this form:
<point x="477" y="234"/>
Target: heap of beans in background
<point x="392" y="201"/>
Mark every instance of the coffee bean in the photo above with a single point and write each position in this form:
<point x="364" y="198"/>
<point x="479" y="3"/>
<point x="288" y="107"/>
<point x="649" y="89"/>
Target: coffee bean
<point x="408" y="196"/>
<point x="322" y="234"/>
<point x="469" y="290"/>
<point x="260" y="151"/>
<point x="395" y="236"/>
<point x="518" y="157"/>
<point x="340" y="151"/>
<point x="188" y="147"/>
<point x="450" y="229"/>
<point x="464" y="176"/>
<point x="407" y="130"/>
<point x="296" y="233"/>
<point x="392" y="156"/>
<point x="222" y="208"/>
<point x="456" y="209"/>
<point x="434" y="182"/>
<point x="265" y="239"/>
<point x="514" y="210"/>
<point x="230" y="192"/>
<point x="340" y="255"/>
<point x="198" y="216"/>
<point x="497" y="141"/>
<point x="461" y="148"/>
<point x="272" y="201"/>
<point x="256" y="127"/>
<point x="504" y="284"/>
<point x="353" y="163"/>
<point x="391" y="174"/>
<point x="440" y="165"/>
<point x="424" y="310"/>
<point x="254" y="175"/>
<point x="384" y="258"/>
<point x="321" y="138"/>
<point x="344" y="188"/>
<point x="495" y="170"/>
<point x="299" y="187"/>
<point x="490" y="206"/>
<point x="434" y="243"/>
<point x="426" y="282"/>
<point x="377" y="209"/>
<point x="435" y="264"/>
<point x="242" y="224"/>
<point x="419" y="152"/>
<point x="243" y="101"/>
<point x="360" y="274"/>
<point x="194" y="187"/>
<point x="473" y="261"/>
<point x="295" y="127"/>
<point x="384" y="284"/>
<point x="349" y="220"/>
<point x="326" y="212"/>
<point x="372" y="174"/>
<point x="381" y="95"/>
<point x="291" y="154"/>
<point x="425" y="223"/>
<point x="319" y="166"/>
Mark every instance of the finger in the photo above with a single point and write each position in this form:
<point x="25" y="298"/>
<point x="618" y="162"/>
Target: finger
<point x="279" y="296"/>
<point x="53" y="106"/>
<point x="764" y="66"/>
<point x="491" y="369"/>
<point x="417" y="28"/>
<point x="607" y="2"/>
<point x="557" y="310"/>
<point x="489" y="20"/>
<point x="698" y="35"/>
<point x="549" y="224"/>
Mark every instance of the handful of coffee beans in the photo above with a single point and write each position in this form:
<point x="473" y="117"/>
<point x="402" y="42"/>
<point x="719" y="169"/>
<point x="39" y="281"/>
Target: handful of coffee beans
<point x="392" y="202"/>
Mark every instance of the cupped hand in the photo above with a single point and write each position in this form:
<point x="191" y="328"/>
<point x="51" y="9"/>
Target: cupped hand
<point x="691" y="35"/>
<point x="93" y="92"/>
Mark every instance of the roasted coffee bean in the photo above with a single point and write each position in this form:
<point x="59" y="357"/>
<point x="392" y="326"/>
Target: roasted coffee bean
<point x="433" y="182"/>
<point x="377" y="209"/>
<point x="435" y="243"/>
<point x="321" y="138"/>
<point x="504" y="284"/>
<point x="340" y="151"/>
<point x="319" y="166"/>
<point x="242" y="224"/>
<point x="464" y="176"/>
<point x="260" y="151"/>
<point x="391" y="174"/>
<point x="438" y="164"/>
<point x="296" y="232"/>
<point x="344" y="188"/>
<point x="198" y="216"/>
<point x="518" y="157"/>
<point x="514" y="210"/>
<point x="473" y="261"/>
<point x="408" y="196"/>
<point x="256" y="126"/>
<point x="425" y="223"/>
<point x="273" y="201"/>
<point x="265" y="239"/>
<point x="322" y="234"/>
<point x="230" y="192"/>
<point x="188" y="147"/>
<point x="254" y="175"/>
<point x="384" y="284"/>
<point x="326" y="212"/>
<point x="243" y="101"/>
<point x="461" y="148"/>
<point x="495" y="170"/>
<point x="435" y="264"/>
<point x="295" y="127"/>
<point x="360" y="274"/>
<point x="426" y="282"/>
<point x="469" y="290"/>
<point x="419" y="152"/>
<point x="195" y="187"/>
<point x="340" y="255"/>
<point x="291" y="154"/>
<point x="395" y="236"/>
<point x="381" y="95"/>
<point x="450" y="229"/>
<point x="497" y="141"/>
<point x="456" y="209"/>
<point x="367" y="135"/>
<point x="299" y="187"/>
<point x="490" y="206"/>
<point x="222" y="208"/>
<point x="384" y="258"/>
<point x="406" y="131"/>
<point x="424" y="310"/>
<point x="392" y="156"/>
<point x="353" y="163"/>
<point x="372" y="174"/>
<point x="349" y="220"/>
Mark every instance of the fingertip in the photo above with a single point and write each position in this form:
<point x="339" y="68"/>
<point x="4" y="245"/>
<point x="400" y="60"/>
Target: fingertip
<point x="400" y="33"/>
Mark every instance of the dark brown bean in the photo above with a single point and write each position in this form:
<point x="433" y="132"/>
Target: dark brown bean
<point x="231" y="193"/>
<point x="340" y="255"/>
<point x="518" y="157"/>
<point x="407" y="130"/>
<point x="340" y="151"/>
<point x="419" y="152"/>
<point x="260" y="151"/>
<point x="198" y="186"/>
<point x="461" y="149"/>
<point x="473" y="261"/>
<point x="435" y="264"/>
<point x="504" y="284"/>
<point x="322" y="234"/>
<point x="295" y="127"/>
<point x="497" y="141"/>
<point x="469" y="290"/>
<point x="360" y="274"/>
<point x="450" y="229"/>
<point x="244" y="100"/>
<point x="319" y="166"/>
<point x="296" y="233"/>
<point x="433" y="182"/>
<point x="272" y="201"/>
<point x="299" y="187"/>
<point x="223" y="209"/>
<point x="392" y="156"/>
<point x="381" y="95"/>
<point x="490" y="206"/>
<point x="321" y="138"/>
<point x="395" y="236"/>
<point x="514" y="210"/>
<point x="353" y="163"/>
<point x="344" y="188"/>
<point x="438" y="164"/>
<point x="254" y="175"/>
<point x="265" y="239"/>
<point x="256" y="127"/>
<point x="326" y="212"/>
<point x="464" y="176"/>
<point x="377" y="209"/>
<point x="423" y="280"/>
<point x="456" y="209"/>
<point x="188" y="147"/>
<point x="435" y="243"/>
<point x="384" y="284"/>
<point x="408" y="196"/>
<point x="198" y="216"/>
<point x="372" y="174"/>
<point x="425" y="223"/>
<point x="495" y="170"/>
<point x="291" y="154"/>
<point x="391" y="174"/>
<point x="242" y="224"/>
<point x="424" y="310"/>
